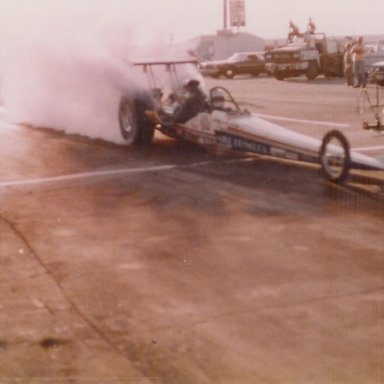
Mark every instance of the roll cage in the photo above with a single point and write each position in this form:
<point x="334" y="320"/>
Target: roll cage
<point x="166" y="106"/>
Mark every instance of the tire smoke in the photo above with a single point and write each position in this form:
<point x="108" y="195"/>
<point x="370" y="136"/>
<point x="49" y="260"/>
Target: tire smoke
<point x="65" y="64"/>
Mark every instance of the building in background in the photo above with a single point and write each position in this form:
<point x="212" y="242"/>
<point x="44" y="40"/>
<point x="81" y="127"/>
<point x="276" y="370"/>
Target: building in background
<point x="224" y="44"/>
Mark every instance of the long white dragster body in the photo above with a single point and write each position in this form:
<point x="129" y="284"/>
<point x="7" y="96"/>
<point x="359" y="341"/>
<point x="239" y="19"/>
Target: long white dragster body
<point x="251" y="133"/>
<point x="215" y="119"/>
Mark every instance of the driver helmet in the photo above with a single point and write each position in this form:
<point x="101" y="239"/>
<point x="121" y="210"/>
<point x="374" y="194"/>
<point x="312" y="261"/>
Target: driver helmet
<point x="218" y="99"/>
<point x="191" y="84"/>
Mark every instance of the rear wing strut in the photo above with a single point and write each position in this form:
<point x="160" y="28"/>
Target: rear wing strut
<point x="170" y="66"/>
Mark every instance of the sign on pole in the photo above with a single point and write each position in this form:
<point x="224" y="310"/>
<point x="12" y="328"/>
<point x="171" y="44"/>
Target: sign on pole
<point x="237" y="13"/>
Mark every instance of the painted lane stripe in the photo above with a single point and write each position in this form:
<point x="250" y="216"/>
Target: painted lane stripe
<point x="109" y="173"/>
<point x="271" y="117"/>
<point x="82" y="176"/>
<point x="324" y="123"/>
<point x="375" y="148"/>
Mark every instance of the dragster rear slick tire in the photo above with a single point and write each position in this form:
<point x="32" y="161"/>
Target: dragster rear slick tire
<point x="135" y="127"/>
<point x="335" y="165"/>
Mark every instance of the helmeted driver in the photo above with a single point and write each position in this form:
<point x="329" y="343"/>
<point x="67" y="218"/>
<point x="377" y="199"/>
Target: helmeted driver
<point x="192" y="101"/>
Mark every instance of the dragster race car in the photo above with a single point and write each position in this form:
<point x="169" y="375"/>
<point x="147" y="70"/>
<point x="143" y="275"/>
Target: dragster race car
<point x="215" y="119"/>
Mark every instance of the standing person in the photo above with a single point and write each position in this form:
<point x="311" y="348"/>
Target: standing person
<point x="293" y="31"/>
<point x="348" y="64"/>
<point x="311" y="27"/>
<point x="359" y="51"/>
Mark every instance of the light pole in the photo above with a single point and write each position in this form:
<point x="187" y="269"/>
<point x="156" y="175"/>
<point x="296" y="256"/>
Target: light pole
<point x="225" y="9"/>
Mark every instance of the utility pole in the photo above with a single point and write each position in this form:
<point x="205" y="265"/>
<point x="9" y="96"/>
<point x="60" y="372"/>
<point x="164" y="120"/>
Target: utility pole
<point x="225" y="8"/>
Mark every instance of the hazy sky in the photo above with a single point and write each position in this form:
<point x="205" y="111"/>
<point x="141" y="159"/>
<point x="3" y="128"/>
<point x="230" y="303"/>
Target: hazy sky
<point x="182" y="19"/>
<point x="270" y="18"/>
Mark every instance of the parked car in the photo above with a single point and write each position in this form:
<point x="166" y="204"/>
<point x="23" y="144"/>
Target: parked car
<point x="376" y="73"/>
<point x="240" y="63"/>
<point x="374" y="54"/>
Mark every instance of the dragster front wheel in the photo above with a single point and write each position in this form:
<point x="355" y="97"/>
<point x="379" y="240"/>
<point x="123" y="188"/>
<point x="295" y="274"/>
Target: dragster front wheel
<point x="335" y="157"/>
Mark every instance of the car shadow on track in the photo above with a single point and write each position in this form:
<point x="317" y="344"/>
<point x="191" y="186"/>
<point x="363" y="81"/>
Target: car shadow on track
<point x="263" y="173"/>
<point x="253" y="172"/>
<point x="318" y="81"/>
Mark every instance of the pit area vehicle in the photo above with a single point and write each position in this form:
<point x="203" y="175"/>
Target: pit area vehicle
<point x="372" y="97"/>
<point x="306" y="54"/>
<point x="240" y="63"/>
<point x="374" y="54"/>
<point x="216" y="120"/>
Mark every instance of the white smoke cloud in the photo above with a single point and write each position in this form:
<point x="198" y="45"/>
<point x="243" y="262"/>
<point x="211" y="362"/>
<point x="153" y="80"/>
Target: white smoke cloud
<point x="63" y="63"/>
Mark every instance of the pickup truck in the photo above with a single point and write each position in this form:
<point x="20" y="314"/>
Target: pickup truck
<point x="308" y="55"/>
